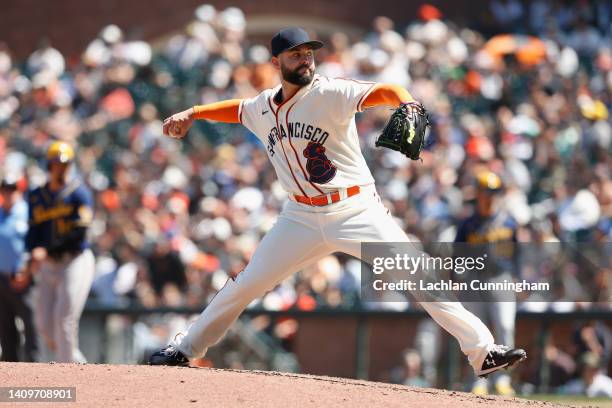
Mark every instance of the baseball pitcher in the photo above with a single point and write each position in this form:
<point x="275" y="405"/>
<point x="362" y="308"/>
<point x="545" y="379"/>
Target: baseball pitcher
<point x="307" y="125"/>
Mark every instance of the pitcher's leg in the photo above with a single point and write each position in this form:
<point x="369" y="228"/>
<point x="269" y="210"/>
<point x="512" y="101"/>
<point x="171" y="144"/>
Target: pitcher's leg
<point x="473" y="336"/>
<point x="286" y="248"/>
<point x="480" y="386"/>
<point x="375" y="225"/>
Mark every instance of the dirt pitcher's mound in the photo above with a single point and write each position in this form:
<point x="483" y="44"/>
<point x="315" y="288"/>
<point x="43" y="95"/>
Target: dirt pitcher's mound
<point x="143" y="386"/>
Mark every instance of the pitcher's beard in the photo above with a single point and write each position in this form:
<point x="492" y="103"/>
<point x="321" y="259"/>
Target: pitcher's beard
<point x="295" y="78"/>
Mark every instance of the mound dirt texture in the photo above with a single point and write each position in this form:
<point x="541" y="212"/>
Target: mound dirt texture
<point x="142" y="386"/>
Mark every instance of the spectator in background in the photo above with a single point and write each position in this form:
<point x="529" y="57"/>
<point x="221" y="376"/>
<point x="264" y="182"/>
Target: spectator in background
<point x="46" y="59"/>
<point x="585" y="39"/>
<point x="588" y="355"/>
<point x="595" y="338"/>
<point x="165" y="267"/>
<point x="578" y="211"/>
<point x="508" y="14"/>
<point x="593" y="381"/>
<point x="409" y="372"/>
<point x="14" y="284"/>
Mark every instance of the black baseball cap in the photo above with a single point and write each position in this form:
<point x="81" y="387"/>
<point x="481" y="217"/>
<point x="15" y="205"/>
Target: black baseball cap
<point x="292" y="37"/>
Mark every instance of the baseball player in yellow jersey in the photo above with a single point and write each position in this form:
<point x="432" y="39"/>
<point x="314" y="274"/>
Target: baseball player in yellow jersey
<point x="307" y="125"/>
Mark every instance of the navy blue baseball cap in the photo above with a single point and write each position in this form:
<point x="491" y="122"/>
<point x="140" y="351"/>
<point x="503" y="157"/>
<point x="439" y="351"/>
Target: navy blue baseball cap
<point x="292" y="37"/>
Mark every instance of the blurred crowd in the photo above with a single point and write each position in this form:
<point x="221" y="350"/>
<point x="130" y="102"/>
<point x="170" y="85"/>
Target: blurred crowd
<point x="174" y="219"/>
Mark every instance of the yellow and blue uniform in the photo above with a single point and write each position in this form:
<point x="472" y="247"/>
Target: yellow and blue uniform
<point x="480" y="230"/>
<point x="497" y="233"/>
<point x="58" y="223"/>
<point x="494" y="232"/>
<point x="59" y="219"/>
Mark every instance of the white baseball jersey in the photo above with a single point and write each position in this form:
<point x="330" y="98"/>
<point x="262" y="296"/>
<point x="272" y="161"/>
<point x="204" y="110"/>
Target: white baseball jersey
<point x="311" y="138"/>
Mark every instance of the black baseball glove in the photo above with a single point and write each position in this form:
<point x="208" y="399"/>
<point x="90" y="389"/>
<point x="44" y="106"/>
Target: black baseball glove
<point x="405" y="131"/>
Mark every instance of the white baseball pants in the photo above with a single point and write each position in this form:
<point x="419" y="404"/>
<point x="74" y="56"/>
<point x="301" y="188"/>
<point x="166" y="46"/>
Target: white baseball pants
<point x="63" y="287"/>
<point x="304" y="234"/>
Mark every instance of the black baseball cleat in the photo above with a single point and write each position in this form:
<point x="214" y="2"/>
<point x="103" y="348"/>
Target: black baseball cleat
<point x="500" y="357"/>
<point x="169" y="356"/>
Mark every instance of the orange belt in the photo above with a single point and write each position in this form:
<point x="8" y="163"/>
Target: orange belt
<point x="326" y="199"/>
